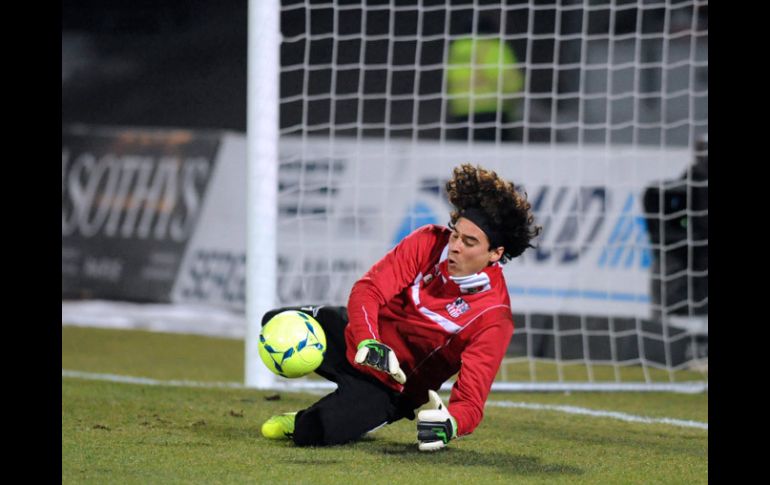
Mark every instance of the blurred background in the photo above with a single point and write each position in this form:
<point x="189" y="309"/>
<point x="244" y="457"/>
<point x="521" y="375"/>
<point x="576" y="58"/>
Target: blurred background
<point x="175" y="64"/>
<point x="183" y="64"/>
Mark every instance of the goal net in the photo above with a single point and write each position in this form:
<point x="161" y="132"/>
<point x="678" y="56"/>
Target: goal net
<point x="598" y="110"/>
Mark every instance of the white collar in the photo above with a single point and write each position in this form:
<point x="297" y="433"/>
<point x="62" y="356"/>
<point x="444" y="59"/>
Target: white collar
<point x="473" y="283"/>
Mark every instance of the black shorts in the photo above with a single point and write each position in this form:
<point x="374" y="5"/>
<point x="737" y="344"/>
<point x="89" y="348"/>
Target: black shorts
<point x="360" y="403"/>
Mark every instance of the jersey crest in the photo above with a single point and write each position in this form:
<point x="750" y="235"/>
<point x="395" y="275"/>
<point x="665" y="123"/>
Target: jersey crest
<point x="457" y="307"/>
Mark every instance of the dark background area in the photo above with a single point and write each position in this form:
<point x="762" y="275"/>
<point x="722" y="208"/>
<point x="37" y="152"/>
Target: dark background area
<point x="145" y="63"/>
<point x="183" y="64"/>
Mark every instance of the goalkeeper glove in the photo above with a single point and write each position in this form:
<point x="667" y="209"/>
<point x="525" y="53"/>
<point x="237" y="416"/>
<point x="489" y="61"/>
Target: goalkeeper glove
<point x="376" y="354"/>
<point x="435" y="426"/>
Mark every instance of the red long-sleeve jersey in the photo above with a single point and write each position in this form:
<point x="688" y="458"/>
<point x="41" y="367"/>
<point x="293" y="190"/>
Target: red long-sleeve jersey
<point x="436" y="328"/>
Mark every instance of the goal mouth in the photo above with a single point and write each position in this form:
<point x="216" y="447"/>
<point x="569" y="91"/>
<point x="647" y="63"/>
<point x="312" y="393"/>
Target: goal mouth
<point x="599" y="113"/>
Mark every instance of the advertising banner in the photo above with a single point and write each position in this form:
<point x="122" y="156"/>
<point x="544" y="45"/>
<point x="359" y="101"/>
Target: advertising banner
<point x="130" y="202"/>
<point x="213" y="270"/>
<point x="344" y="203"/>
<point x="593" y="256"/>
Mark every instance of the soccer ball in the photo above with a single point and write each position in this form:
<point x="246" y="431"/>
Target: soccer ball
<point x="292" y="344"/>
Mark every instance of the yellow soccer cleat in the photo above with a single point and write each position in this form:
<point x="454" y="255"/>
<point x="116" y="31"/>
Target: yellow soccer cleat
<point x="279" y="427"/>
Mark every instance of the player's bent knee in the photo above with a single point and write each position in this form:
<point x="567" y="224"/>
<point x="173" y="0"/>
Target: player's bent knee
<point x="308" y="429"/>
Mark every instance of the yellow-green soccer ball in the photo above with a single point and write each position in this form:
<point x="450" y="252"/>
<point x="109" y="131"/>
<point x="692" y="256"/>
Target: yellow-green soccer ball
<point x="292" y="344"/>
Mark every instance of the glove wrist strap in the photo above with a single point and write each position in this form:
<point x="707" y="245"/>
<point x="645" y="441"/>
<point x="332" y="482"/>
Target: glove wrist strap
<point x="366" y="342"/>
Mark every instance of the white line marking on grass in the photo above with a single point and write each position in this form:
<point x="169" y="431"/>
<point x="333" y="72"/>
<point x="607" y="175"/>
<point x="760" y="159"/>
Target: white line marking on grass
<point x="318" y="388"/>
<point x="321" y="388"/>
<point x="599" y="414"/>
<point x="144" y="380"/>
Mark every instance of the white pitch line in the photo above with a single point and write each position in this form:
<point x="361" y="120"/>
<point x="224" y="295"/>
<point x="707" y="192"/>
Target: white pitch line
<point x="599" y="414"/>
<point x="144" y="380"/>
<point x="309" y="388"/>
<point x="502" y="404"/>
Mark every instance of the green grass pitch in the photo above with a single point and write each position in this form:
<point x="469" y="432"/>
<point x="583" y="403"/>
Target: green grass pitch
<point x="130" y="433"/>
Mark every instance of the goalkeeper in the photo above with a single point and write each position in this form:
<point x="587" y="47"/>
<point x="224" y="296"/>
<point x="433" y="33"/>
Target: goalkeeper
<point x="436" y="305"/>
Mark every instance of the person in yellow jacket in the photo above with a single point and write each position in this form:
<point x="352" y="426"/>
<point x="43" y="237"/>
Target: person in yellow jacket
<point x="482" y="81"/>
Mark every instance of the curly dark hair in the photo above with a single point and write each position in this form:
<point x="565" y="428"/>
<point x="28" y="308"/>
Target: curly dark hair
<point x="506" y="209"/>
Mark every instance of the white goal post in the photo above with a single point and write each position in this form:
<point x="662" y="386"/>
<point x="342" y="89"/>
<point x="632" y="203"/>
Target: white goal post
<point x="598" y="110"/>
<point x="262" y="172"/>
